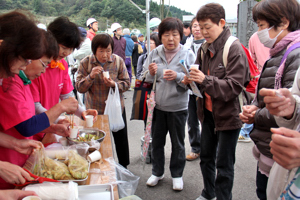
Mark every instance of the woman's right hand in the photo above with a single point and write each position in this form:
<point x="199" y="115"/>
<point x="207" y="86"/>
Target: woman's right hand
<point x="70" y="105"/>
<point x="248" y="114"/>
<point x="279" y="102"/>
<point x="153" y="69"/>
<point x="13" y="174"/>
<point x="95" y="71"/>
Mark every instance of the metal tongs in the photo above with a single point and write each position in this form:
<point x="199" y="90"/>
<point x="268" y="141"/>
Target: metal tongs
<point x="36" y="179"/>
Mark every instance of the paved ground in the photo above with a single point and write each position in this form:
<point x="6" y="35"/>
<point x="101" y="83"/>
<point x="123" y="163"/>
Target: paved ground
<point x="245" y="168"/>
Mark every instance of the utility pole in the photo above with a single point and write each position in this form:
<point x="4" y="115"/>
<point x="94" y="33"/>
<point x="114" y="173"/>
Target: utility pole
<point x="147" y="12"/>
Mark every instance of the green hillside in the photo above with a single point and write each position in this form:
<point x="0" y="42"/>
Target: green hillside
<point x="105" y="11"/>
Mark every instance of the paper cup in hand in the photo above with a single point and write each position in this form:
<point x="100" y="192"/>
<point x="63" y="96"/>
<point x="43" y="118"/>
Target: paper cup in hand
<point x="74" y="132"/>
<point x="195" y="66"/>
<point x="95" y="156"/>
<point x="106" y="74"/>
<point x="89" y="120"/>
<point x="164" y="71"/>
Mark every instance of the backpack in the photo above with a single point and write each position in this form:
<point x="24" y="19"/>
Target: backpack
<point x="244" y="97"/>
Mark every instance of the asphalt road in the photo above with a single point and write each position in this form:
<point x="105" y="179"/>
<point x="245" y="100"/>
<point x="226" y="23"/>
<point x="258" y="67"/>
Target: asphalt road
<point x="245" y="168"/>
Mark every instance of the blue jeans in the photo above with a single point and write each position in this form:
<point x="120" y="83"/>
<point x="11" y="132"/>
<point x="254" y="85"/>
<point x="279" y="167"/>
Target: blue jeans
<point x="217" y="154"/>
<point x="193" y="125"/>
<point x="174" y="123"/>
<point x="245" y="131"/>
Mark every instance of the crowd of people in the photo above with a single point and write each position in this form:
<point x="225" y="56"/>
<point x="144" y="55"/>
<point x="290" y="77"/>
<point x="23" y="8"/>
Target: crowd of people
<point x="36" y="88"/>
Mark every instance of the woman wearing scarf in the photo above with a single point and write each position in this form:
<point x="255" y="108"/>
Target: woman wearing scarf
<point x="279" y="24"/>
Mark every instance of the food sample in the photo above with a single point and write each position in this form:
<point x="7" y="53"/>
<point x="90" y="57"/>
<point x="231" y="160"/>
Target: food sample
<point x="78" y="166"/>
<point x="87" y="138"/>
<point x="56" y="170"/>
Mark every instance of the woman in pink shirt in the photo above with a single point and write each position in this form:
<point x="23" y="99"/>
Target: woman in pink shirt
<point x="18" y="33"/>
<point x="56" y="84"/>
<point x="18" y="117"/>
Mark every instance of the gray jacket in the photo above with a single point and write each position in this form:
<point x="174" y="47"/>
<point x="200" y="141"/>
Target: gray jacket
<point x="170" y="96"/>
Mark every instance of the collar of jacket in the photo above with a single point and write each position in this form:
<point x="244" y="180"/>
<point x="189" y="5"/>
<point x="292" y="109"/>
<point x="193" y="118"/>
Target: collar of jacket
<point x="162" y="55"/>
<point x="219" y="43"/>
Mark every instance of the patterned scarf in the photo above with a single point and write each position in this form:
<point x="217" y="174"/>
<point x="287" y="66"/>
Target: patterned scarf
<point x="286" y="42"/>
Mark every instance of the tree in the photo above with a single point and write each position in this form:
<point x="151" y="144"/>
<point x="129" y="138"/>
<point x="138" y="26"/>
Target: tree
<point x="96" y="8"/>
<point x="36" y="5"/>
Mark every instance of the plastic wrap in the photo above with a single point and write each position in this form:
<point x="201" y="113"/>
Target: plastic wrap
<point x="55" y="191"/>
<point x="78" y="166"/>
<point x="127" y="182"/>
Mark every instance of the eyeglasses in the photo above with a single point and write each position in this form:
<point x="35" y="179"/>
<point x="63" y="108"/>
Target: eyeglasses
<point x="44" y="65"/>
<point x="26" y="62"/>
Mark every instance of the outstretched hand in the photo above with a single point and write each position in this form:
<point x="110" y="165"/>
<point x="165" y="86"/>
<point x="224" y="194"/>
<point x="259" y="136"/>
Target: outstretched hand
<point x="279" y="102"/>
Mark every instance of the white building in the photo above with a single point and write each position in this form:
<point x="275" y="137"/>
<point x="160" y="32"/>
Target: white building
<point x="232" y="24"/>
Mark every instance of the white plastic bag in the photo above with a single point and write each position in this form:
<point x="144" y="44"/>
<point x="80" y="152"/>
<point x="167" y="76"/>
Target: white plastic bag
<point x="113" y="109"/>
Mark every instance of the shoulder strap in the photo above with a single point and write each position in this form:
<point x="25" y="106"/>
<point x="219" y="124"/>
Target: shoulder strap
<point x="227" y="45"/>
<point x="294" y="46"/>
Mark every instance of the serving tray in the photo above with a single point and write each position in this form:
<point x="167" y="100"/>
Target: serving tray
<point x="95" y="192"/>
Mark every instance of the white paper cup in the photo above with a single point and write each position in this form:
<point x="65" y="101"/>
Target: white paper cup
<point x="63" y="141"/>
<point x="195" y="66"/>
<point x="95" y="156"/>
<point x="106" y="74"/>
<point x="32" y="198"/>
<point x="89" y="120"/>
<point x="74" y="132"/>
<point x="164" y="71"/>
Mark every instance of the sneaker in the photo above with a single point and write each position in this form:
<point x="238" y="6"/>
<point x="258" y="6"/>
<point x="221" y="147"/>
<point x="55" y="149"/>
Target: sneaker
<point x="153" y="180"/>
<point x="244" y="139"/>
<point x="192" y="156"/>
<point x="203" y="198"/>
<point x="177" y="184"/>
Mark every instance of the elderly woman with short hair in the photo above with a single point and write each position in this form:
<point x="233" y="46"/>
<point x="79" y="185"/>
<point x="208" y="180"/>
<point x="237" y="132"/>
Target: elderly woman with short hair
<point x="170" y="112"/>
<point x="90" y="80"/>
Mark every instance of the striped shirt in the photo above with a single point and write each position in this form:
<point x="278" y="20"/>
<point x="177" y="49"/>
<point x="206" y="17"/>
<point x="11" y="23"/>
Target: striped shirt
<point x="96" y="92"/>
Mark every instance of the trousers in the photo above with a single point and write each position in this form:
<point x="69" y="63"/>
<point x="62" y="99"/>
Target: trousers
<point x="174" y="123"/>
<point x="217" y="154"/>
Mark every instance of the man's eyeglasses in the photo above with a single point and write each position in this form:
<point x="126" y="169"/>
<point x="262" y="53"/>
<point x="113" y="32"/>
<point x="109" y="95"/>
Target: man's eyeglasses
<point x="44" y="65"/>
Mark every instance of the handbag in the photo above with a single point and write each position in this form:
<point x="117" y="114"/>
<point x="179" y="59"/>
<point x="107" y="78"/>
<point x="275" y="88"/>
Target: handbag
<point x="113" y="109"/>
<point x="141" y="93"/>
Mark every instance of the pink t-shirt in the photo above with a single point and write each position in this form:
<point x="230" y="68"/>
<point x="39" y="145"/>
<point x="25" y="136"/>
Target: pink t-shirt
<point x="259" y="53"/>
<point x="49" y="86"/>
<point x="16" y="106"/>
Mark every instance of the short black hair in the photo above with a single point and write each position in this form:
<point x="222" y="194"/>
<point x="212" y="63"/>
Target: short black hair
<point x="102" y="40"/>
<point x="52" y="48"/>
<point x="154" y="37"/>
<point x="169" y="24"/>
<point x="186" y="24"/>
<point x="274" y="11"/>
<point x="21" y="38"/>
<point x="213" y="11"/>
<point x="65" y="32"/>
